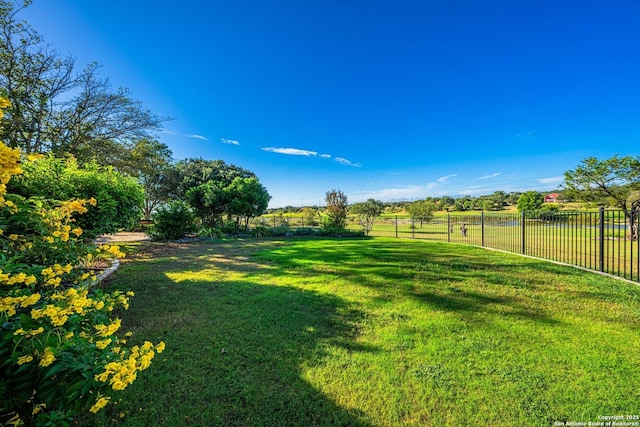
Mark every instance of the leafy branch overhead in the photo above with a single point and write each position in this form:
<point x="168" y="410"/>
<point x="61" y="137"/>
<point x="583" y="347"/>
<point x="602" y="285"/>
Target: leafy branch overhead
<point x="55" y="108"/>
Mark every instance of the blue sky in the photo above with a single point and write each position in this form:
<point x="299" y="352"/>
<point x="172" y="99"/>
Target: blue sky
<point x="390" y="100"/>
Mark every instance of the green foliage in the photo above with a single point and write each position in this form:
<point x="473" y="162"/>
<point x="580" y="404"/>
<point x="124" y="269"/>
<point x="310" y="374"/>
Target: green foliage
<point x="281" y="230"/>
<point x="210" y="232"/>
<point x="530" y="201"/>
<point x="57" y="108"/>
<point x="150" y="162"/>
<point x="214" y="189"/>
<point x="260" y="231"/>
<point x="59" y="355"/>
<point x="119" y="198"/>
<point x="247" y="199"/>
<point x="367" y="212"/>
<point x="336" y="211"/>
<point x="422" y="210"/>
<point x="173" y="221"/>
<point x="616" y="180"/>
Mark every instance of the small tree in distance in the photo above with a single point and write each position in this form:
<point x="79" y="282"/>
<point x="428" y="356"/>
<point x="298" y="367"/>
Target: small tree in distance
<point x="367" y="212"/>
<point x="530" y="201"/>
<point x="422" y="210"/>
<point x="336" y="210"/>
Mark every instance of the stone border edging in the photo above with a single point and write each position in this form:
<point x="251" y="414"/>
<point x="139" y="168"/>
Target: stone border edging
<point x="106" y="273"/>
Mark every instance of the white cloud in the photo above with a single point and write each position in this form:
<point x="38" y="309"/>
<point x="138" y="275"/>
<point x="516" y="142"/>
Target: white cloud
<point x="346" y="162"/>
<point x="409" y="192"/>
<point x="197" y="137"/>
<point x="291" y="151"/>
<point x="229" y="141"/>
<point x="493" y="175"/>
<point x="528" y="133"/>
<point x="446" y="178"/>
<point x="168" y="131"/>
<point x="325" y="156"/>
<point x="474" y="191"/>
<point x="551" y="180"/>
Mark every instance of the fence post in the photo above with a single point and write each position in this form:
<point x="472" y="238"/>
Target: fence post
<point x="482" y="228"/>
<point x="601" y="238"/>
<point x="396" y="226"/>
<point x="413" y="227"/>
<point x="522" y="221"/>
<point x="449" y="228"/>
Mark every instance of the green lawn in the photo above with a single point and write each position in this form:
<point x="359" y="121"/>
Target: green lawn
<point x="374" y="332"/>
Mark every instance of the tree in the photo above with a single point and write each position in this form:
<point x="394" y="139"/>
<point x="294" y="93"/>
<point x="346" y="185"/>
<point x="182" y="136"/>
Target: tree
<point x="422" y="210"/>
<point x="247" y="199"/>
<point x="367" y="212"/>
<point x="616" y="179"/>
<point x="336" y="210"/>
<point x="150" y="162"/>
<point x="209" y="200"/>
<point x="198" y="171"/>
<point x="530" y="201"/>
<point x="308" y="216"/>
<point x="446" y="201"/>
<point x="214" y="188"/>
<point x="56" y="109"/>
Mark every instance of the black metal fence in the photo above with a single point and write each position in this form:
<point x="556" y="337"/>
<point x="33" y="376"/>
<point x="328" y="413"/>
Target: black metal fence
<point x="605" y="241"/>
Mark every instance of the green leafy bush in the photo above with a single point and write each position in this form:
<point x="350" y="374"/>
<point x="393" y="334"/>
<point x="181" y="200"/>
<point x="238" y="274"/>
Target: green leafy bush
<point x="119" y="198"/>
<point x="260" y="231"/>
<point x="173" y="221"/>
<point x="210" y="232"/>
<point x="59" y="353"/>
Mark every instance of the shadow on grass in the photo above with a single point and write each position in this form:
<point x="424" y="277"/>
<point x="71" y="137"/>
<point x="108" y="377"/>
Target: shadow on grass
<point x="438" y="275"/>
<point x="235" y="342"/>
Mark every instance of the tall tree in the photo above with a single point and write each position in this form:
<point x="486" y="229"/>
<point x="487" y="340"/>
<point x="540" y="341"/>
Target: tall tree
<point x="617" y="179"/>
<point x="53" y="107"/>
<point x="198" y="171"/>
<point x="336" y="209"/>
<point x="247" y="199"/>
<point x="150" y="162"/>
<point x="212" y="186"/>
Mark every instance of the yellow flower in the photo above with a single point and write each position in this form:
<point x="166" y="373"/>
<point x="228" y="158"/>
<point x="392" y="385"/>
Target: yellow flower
<point x="38" y="408"/>
<point x="105" y="331"/>
<point x="25" y="359"/>
<point x="77" y="231"/>
<point x="15" y="420"/>
<point x="100" y="403"/>
<point x="160" y="347"/>
<point x="102" y="344"/>
<point x="47" y="358"/>
<point x="93" y="201"/>
<point x="118" y="385"/>
<point x="34" y="332"/>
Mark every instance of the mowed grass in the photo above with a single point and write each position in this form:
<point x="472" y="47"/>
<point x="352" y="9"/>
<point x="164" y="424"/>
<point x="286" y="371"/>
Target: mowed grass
<point x="373" y="332"/>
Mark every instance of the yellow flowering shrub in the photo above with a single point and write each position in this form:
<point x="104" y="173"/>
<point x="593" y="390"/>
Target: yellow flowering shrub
<point x="59" y="350"/>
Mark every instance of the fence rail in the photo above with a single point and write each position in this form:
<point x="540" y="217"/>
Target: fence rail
<point x="605" y="241"/>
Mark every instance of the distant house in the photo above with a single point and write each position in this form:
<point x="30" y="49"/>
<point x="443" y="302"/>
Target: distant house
<point x="551" y="198"/>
